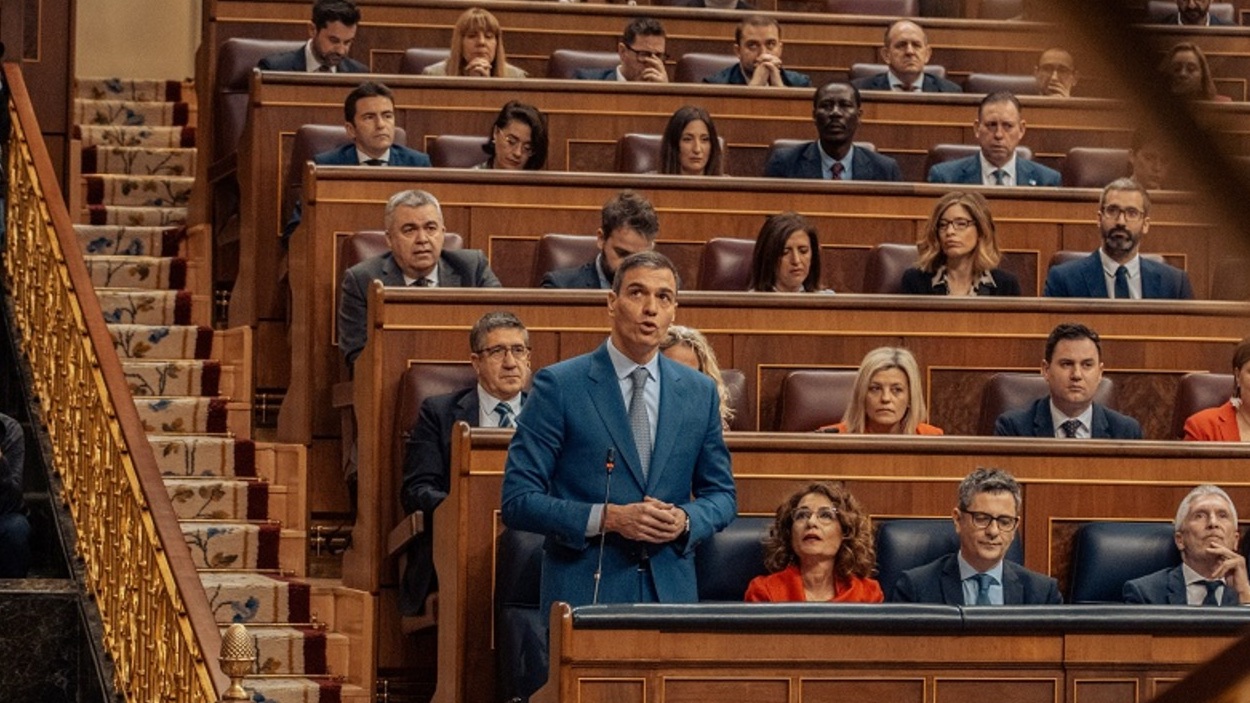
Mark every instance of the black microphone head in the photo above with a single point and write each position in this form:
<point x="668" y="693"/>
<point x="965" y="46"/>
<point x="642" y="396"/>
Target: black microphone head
<point x="832" y="429"/>
<point x="610" y="461"/>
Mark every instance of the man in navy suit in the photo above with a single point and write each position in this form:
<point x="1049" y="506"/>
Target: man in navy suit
<point x="627" y="225"/>
<point x="642" y="53"/>
<point x="1117" y="269"/>
<point x="1072" y="367"/>
<point x="999" y="127"/>
<point x="758" y="46"/>
<point x="905" y="53"/>
<point x="835" y="111"/>
<point x="1194" y="13"/>
<point x="330" y="36"/>
<point x="1211" y="571"/>
<point x="501" y="358"/>
<point x="986" y="522"/>
<point x="369" y="111"/>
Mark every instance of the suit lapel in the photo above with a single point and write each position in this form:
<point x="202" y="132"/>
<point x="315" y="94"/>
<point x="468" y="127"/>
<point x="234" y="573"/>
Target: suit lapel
<point x="861" y="167"/>
<point x="1092" y="273"/>
<point x="1043" y="423"/>
<point x="391" y="273"/>
<point x="448" y="277"/>
<point x="1176" y="587"/>
<point x="972" y="171"/>
<point x="952" y="585"/>
<point x="1101" y="425"/>
<point x="1013" y="587"/>
<point x="809" y="162"/>
<point x="469" y="408"/>
<point x="1151" y="280"/>
<point x="605" y="394"/>
<point x="665" y="433"/>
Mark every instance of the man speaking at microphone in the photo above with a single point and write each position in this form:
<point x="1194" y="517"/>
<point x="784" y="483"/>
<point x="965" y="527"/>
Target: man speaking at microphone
<point x="618" y="458"/>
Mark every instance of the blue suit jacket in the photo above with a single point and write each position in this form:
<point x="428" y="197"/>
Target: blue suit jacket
<point x="1035" y="421"/>
<point x="804" y="162"/>
<point x="1166" y="587"/>
<point x="584" y="276"/>
<point x="968" y="171"/>
<point x="930" y="84"/>
<point x="555" y="473"/>
<point x="733" y="75"/>
<point x="938" y="582"/>
<point x="1084" y="278"/>
<point x="1174" y="19"/>
<point x="295" y="61"/>
<point x="595" y="74"/>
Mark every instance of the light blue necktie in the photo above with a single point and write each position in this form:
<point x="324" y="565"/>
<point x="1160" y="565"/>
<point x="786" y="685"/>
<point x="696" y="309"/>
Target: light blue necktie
<point x="984" y="581"/>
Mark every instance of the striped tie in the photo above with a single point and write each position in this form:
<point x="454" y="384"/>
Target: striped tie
<point x="505" y="414"/>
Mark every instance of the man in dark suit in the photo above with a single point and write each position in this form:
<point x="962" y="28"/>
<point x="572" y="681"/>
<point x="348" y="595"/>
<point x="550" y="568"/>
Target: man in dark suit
<point x="501" y="358"/>
<point x="1194" y="13"/>
<point x="758" y="46"/>
<point x="1072" y="367"/>
<point x="986" y="522"/>
<point x="627" y="225"/>
<point x="1055" y="73"/>
<point x="835" y="111"/>
<point x="1211" y="571"/>
<point x="330" y="36"/>
<point x="999" y="127"/>
<point x="905" y="53"/>
<point x="414" y="231"/>
<point x="1117" y="269"/>
<point x="642" y="53"/>
<point x="14" y="526"/>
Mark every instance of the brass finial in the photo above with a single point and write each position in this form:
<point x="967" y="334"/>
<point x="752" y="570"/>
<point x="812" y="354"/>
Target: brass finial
<point x="238" y="656"/>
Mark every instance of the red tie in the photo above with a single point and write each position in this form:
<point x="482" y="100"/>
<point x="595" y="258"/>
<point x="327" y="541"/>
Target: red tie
<point x="837" y="170"/>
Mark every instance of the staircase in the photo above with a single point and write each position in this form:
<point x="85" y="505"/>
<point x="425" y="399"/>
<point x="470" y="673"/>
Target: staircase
<point x="241" y="503"/>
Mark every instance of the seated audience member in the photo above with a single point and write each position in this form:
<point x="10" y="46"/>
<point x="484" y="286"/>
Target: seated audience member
<point x="1211" y="572"/>
<point x="476" y="49"/>
<point x="958" y="252"/>
<point x="887" y="397"/>
<point x="1229" y="422"/>
<point x="835" y="112"/>
<point x="501" y="357"/>
<point x="688" y="346"/>
<point x="999" y="127"/>
<point x="518" y="139"/>
<point x="414" y="232"/>
<point x="642" y="53"/>
<point x="1149" y="160"/>
<point x="1188" y="74"/>
<point x="906" y="52"/>
<point x="14" y="527"/>
<point x="986" y="521"/>
<point x="1117" y="270"/>
<point x="1194" y="13"/>
<point x="1055" y="73"/>
<point x="787" y="256"/>
<point x="757" y="44"/>
<point x="712" y="4"/>
<point x="627" y="225"/>
<point x="330" y="36"/>
<point x="819" y="549"/>
<point x="690" y="146"/>
<point x="369" y="111"/>
<point x="1072" y="366"/>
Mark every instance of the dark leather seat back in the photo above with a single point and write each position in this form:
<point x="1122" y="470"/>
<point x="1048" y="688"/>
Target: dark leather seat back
<point x="813" y="398"/>
<point x="1107" y="554"/>
<point x="1159" y="9"/>
<point x="421" y="381"/>
<point x="736" y="384"/>
<point x="866" y="70"/>
<point x="236" y="59"/>
<point x="457" y="150"/>
<point x="638" y="153"/>
<point x="1087" y="167"/>
<point x="417" y="58"/>
<point x="695" y="66"/>
<point x="886" y="264"/>
<point x="310" y="140"/>
<point x="520" y="627"/>
<point x="997" y="82"/>
<point x="941" y="153"/>
<point x="1000" y="9"/>
<point x="1005" y="392"/>
<point x="883" y="8"/>
<point x="726" y="264"/>
<point x="1197" y="392"/>
<point x="564" y="63"/>
<point x="561" y="251"/>
<point x="904" y="544"/>
<point x="727" y="562"/>
<point x="1230" y="282"/>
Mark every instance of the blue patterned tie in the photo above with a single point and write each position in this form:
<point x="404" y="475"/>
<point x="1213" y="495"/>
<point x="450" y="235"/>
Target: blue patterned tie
<point x="505" y="414"/>
<point x="998" y="175"/>
<point x="638" y="423"/>
<point x="1121" y="284"/>
<point x="1070" y="427"/>
<point x="983" y="588"/>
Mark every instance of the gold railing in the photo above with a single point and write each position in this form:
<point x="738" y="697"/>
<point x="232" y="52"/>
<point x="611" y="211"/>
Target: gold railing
<point x="156" y="620"/>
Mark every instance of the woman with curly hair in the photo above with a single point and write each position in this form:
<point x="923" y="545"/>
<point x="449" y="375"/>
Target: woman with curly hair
<point x="819" y="549"/>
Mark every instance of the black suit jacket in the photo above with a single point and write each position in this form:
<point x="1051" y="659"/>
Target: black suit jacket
<point x="584" y="276"/>
<point x="804" y="162"/>
<point x="919" y="282"/>
<point x="1174" y="19"/>
<point x="930" y="84"/>
<point x="295" y="61"/>
<point x="733" y="75"/>
<point x="938" y="582"/>
<point x="1167" y="587"/>
<point x="1035" y="421"/>
<point x="1084" y="278"/>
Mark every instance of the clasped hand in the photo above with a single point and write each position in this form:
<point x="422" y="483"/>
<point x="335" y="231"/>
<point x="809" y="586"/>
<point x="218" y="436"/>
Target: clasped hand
<point x="649" y="521"/>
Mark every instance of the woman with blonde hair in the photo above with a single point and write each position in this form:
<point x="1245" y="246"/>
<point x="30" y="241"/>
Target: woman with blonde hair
<point x="958" y="251"/>
<point x="887" y="397"/>
<point x="476" y="49"/>
<point x="688" y="346"/>
<point x="1189" y="74"/>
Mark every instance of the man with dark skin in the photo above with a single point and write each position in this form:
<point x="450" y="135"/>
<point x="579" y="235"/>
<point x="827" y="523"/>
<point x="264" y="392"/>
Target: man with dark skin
<point x="834" y="156"/>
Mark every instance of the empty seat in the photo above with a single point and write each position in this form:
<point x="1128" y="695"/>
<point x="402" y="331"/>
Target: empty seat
<point x="866" y="70"/>
<point x="1158" y="10"/>
<point x="886" y="264"/>
<point x="565" y="63"/>
<point x="904" y="544"/>
<point x="941" y="153"/>
<point x="1107" y="554"/>
<point x="1196" y="392"/>
<point x="881" y="8"/>
<point x="736" y="384"/>
<point x="695" y="66"/>
<point x="1087" y="167"/>
<point x="457" y="150"/>
<point x="813" y="398"/>
<point x="416" y="59"/>
<point x="997" y="82"/>
<point x="638" y="153"/>
<point x="727" y="561"/>
<point x="726" y="264"/>
<point x="561" y="251"/>
<point x="1013" y="391"/>
<point x="236" y="59"/>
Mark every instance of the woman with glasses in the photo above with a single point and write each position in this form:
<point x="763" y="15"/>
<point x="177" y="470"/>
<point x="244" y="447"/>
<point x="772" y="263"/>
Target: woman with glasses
<point x="819" y="549"/>
<point x="518" y="139"/>
<point x="887" y="397"/>
<point x="688" y="346"/>
<point x="476" y="49"/>
<point x="958" y="252"/>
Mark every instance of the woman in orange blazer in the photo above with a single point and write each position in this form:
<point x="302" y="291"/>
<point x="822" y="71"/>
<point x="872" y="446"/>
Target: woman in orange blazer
<point x="1229" y="422"/>
<point x="887" y="397"/>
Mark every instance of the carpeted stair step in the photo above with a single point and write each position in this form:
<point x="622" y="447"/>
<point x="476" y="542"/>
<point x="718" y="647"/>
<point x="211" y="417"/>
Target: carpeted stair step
<point x="298" y="651"/>
<point x="142" y="135"/>
<point x="119" y="240"/>
<point x="146" y="307"/>
<point x="147" y="272"/>
<point x="138" y="161"/>
<point x="190" y="377"/>
<point x="126" y="89"/>
<point x="162" y="342"/>
<point x="204" y="456"/>
<point x="136" y="216"/>
<point x="139" y="191"/>
<point x="233" y="545"/>
<point x="130" y="113"/>
<point x="239" y="596"/>
<point x="218" y="499"/>
<point x="184" y="415"/>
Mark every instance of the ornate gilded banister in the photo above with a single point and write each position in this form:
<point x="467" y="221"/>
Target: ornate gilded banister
<point x="157" y="623"/>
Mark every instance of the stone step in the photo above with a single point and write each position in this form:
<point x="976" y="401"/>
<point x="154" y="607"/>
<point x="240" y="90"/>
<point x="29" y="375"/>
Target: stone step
<point x="251" y="598"/>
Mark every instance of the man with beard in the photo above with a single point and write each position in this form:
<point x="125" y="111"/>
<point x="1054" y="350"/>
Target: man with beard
<point x="330" y="35"/>
<point x="999" y="128"/>
<point x="1117" y="270"/>
<point x="758" y="46"/>
<point x="834" y="156"/>
<point x="1194" y="13"/>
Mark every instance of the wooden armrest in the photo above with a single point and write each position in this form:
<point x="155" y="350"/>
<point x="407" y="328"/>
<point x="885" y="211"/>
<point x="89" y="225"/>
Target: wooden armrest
<point x="341" y="394"/>
<point x="412" y="525"/>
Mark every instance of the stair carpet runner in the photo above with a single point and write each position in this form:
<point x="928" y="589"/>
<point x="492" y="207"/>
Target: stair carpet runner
<point x="138" y="165"/>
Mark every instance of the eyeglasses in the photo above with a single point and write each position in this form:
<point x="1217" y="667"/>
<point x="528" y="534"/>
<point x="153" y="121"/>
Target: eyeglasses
<point x="513" y="143"/>
<point x="1050" y="69"/>
<point x="959" y="224"/>
<point x="1006" y="523"/>
<point x="823" y="516"/>
<point x="644" y="55"/>
<point x="519" y="352"/>
<point x="1113" y="212"/>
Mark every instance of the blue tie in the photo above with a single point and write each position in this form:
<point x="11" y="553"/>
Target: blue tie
<point x="1212" y="586"/>
<point x="505" y="414"/>
<point x="1121" y="284"/>
<point x="638" y="423"/>
<point x="984" y="581"/>
<point x="998" y="175"/>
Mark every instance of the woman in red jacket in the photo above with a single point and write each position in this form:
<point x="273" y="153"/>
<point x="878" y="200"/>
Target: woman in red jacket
<point x="1229" y="422"/>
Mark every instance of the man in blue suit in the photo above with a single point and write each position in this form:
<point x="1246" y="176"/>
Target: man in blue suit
<point x="1072" y="366"/>
<point x="758" y="46"/>
<point x="978" y="574"/>
<point x="906" y="53"/>
<point x="330" y="36"/>
<point x="627" y="225"/>
<point x="835" y="111"/>
<point x="1211" y="571"/>
<point x="1194" y="13"/>
<point x="642" y="53"/>
<point x="999" y="127"/>
<point x="1117" y="269"/>
<point x="618" y="458"/>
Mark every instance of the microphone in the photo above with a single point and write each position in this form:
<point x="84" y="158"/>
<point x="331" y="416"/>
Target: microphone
<point x="609" y="463"/>
<point x="829" y="430"/>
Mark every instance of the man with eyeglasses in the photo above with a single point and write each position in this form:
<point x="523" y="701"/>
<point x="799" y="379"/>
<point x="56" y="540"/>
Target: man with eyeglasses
<point x="1055" y="73"/>
<point x="500" y="356"/>
<point x="999" y="128"/>
<point x="642" y="54"/>
<point x="834" y="154"/>
<point x="986" y="522"/>
<point x="1117" y="270"/>
<point x="757" y="44"/>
